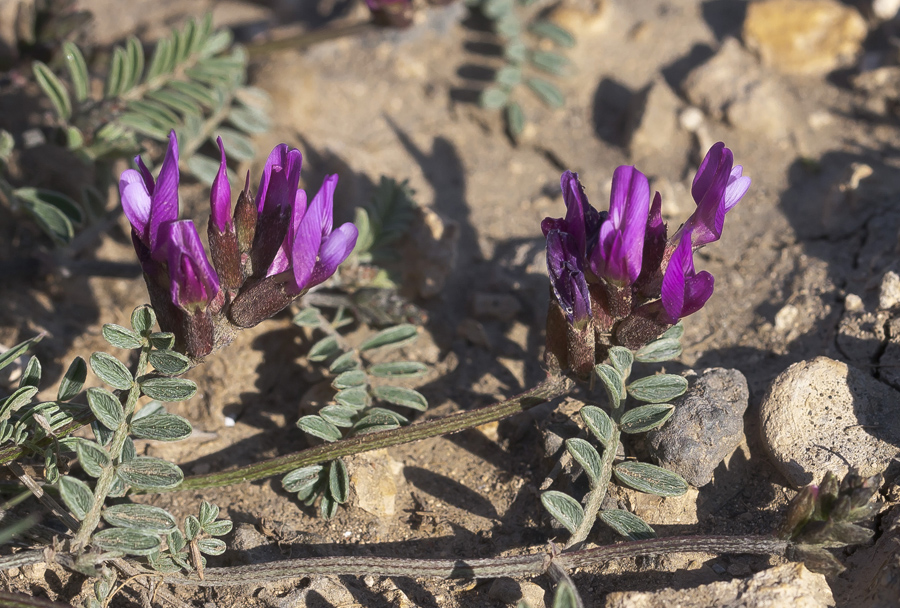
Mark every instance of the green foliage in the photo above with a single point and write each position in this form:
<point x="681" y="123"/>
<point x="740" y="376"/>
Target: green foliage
<point x="360" y="386"/>
<point x="520" y="31"/>
<point x="193" y="81"/>
<point x="602" y="466"/>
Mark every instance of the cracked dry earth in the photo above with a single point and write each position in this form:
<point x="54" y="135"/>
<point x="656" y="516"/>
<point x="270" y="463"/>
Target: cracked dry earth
<point x="798" y="274"/>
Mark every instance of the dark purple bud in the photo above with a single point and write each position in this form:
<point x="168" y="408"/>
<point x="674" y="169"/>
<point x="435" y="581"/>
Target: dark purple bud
<point x="194" y="283"/>
<point x="799" y="511"/>
<point x="619" y="250"/>
<point x="566" y="278"/>
<point x="275" y="202"/>
<point x="245" y="217"/>
<point x="582" y="221"/>
<point x="683" y="291"/>
<point x="391" y="13"/>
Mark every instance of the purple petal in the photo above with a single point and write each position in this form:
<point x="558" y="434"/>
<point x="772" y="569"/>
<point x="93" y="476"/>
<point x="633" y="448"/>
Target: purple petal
<point x="220" y="194"/>
<point x="708" y="191"/>
<point x="280" y="179"/>
<point x="697" y="291"/>
<point x="706" y="173"/>
<point x="576" y="205"/>
<point x="323" y="202"/>
<point x="275" y="159"/>
<point x="135" y="202"/>
<point x="145" y="174"/>
<point x="336" y="247"/>
<point x="194" y="283"/>
<point x="566" y="278"/>
<point x="620" y="246"/>
<point x="305" y="247"/>
<point x="282" y="260"/>
<point x="684" y="292"/>
<point x="737" y="187"/>
<point x="164" y="207"/>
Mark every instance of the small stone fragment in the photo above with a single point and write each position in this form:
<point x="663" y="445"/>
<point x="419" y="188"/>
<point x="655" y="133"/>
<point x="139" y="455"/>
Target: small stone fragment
<point x="662" y="511"/>
<point x="853" y="303"/>
<point x="706" y="427"/>
<point x="861" y="336"/>
<point x="788" y="585"/>
<point x="373" y="482"/>
<point x="582" y="17"/>
<point x="691" y="119"/>
<point x="804" y="36"/>
<point x="823" y="415"/>
<point x="885" y="9"/>
<point x="889" y="296"/>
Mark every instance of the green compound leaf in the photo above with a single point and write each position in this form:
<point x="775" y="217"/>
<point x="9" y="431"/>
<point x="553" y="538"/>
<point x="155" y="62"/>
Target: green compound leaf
<point x="547" y="91"/>
<point x="53" y="88"/>
<point x="134" y="56"/>
<point x="32" y="374"/>
<point x="66" y="205"/>
<point x="307" y="317"/>
<point x="338" y="481"/>
<point x="298" y="478"/>
<point x="92" y="457"/>
<point x="493" y="98"/>
<point x="77" y="496"/>
<point x="150" y="473"/>
<point x="238" y="145"/>
<point x="566" y="596"/>
<point x="54" y="212"/>
<point x="646" y="417"/>
<point x="399" y="395"/>
<point x="78" y="72"/>
<point x="318" y="427"/>
<point x="339" y="415"/>
<point x="218" y="528"/>
<point x="176" y="101"/>
<point x="659" y="351"/>
<point x="130" y="542"/>
<point x="621" y="359"/>
<point x="627" y="524"/>
<point x="350" y="379"/>
<point x="551" y="62"/>
<point x="106" y="407"/>
<point x="515" y="120"/>
<point x="651" y="479"/>
<point x="398" y="369"/>
<point x="141" y="124"/>
<point x="20" y="397"/>
<point x="328" y="507"/>
<point x="114" y="79"/>
<point x="356" y="397"/>
<point x="162" y="340"/>
<point x="396" y="336"/>
<point x="508" y="26"/>
<point x="143" y="319"/>
<point x="516" y="51"/>
<point x="154" y="111"/>
<point x="599" y="423"/>
<point x="374" y="422"/>
<point x="673" y="333"/>
<point x="140" y="517"/>
<point x="16" y="351"/>
<point x="658" y="389"/>
<point x="324" y="349"/>
<point x="191" y="527"/>
<point x="161" y="427"/>
<point x="585" y="454"/>
<point x="169" y="362"/>
<point x="208" y="513"/>
<point x="112" y="371"/>
<point x="547" y="29"/>
<point x="613" y="383"/>
<point x="495" y="9"/>
<point x="73" y="380"/>
<point x="203" y="168"/>
<point x="169" y="389"/>
<point x="564" y="509"/>
<point x="211" y="546"/>
<point x="121" y="337"/>
<point x="249" y="119"/>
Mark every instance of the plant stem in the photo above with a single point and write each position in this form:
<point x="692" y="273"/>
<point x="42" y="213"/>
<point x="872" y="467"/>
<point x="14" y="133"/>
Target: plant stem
<point x="108" y="476"/>
<point x="551" y="388"/>
<point x="532" y="564"/>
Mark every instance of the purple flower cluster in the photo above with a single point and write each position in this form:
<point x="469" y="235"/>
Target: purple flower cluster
<point x="264" y="254"/>
<point x="616" y="277"/>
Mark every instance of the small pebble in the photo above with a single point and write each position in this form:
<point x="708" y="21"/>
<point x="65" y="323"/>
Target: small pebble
<point x="889" y="296"/>
<point x="691" y="119"/>
<point x="853" y="303"/>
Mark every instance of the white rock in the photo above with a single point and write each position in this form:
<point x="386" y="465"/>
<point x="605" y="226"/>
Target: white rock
<point x="823" y="415"/>
<point x="889" y="296"/>
<point x="885" y="9"/>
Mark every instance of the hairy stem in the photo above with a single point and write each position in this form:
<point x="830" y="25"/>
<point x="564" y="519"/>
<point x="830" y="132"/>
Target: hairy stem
<point x="516" y="566"/>
<point x="105" y="482"/>
<point x="551" y="388"/>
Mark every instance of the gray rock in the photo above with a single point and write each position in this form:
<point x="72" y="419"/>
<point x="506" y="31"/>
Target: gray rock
<point x="861" y="336"/>
<point x="654" y="124"/>
<point x="873" y="574"/>
<point x="706" y="427"/>
<point x="889" y="362"/>
<point x="788" y="585"/>
<point x="823" y="415"/>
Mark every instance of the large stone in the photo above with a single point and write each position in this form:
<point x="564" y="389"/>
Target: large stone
<point x="788" y="585"/>
<point x="706" y="427"/>
<point x="823" y="415"/>
<point x="804" y="36"/>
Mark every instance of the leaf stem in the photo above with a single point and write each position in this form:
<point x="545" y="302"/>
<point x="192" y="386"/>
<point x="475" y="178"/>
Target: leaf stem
<point x="595" y="497"/>
<point x="108" y="476"/>
<point x="552" y="387"/>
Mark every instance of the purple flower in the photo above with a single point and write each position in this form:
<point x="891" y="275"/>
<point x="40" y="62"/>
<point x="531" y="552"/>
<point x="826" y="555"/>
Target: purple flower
<point x="148" y="204"/>
<point x="683" y="290"/>
<point x="617" y="255"/>
<point x="717" y="187"/>
<point x="315" y="250"/>
<point x="279" y="180"/>
<point x="582" y="221"/>
<point x="194" y="283"/>
<point x="566" y="276"/>
<point x="220" y="195"/>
